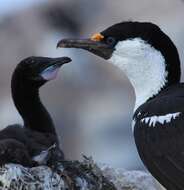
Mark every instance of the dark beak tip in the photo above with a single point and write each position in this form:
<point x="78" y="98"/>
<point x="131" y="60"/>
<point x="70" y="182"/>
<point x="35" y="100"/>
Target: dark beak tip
<point x="61" y="61"/>
<point x="67" y="59"/>
<point x="61" y="44"/>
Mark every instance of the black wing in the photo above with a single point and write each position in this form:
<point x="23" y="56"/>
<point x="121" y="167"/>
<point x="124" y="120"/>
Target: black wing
<point x="159" y="136"/>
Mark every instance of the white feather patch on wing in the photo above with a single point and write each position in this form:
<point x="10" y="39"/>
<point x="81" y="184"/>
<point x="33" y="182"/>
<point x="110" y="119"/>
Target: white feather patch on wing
<point x="152" y="120"/>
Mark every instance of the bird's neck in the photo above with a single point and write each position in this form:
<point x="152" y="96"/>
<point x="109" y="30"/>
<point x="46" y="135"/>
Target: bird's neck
<point x="27" y="101"/>
<point x="148" y="85"/>
<point x="148" y="69"/>
<point x="147" y="81"/>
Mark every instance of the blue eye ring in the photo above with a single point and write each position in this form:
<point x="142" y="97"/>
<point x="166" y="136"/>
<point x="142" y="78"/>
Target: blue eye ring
<point x="111" y="41"/>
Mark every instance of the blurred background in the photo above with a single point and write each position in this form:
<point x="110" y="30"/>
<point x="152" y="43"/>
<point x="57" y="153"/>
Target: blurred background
<point x="91" y="101"/>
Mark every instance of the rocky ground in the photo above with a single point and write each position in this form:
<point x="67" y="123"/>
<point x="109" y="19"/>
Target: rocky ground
<point x="74" y="175"/>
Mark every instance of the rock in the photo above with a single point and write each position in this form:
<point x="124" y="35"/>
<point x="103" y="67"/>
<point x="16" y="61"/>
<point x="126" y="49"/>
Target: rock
<point x="130" y="180"/>
<point x="74" y="175"/>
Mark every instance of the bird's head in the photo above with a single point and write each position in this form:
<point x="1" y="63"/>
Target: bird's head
<point x="145" y="53"/>
<point x="38" y="70"/>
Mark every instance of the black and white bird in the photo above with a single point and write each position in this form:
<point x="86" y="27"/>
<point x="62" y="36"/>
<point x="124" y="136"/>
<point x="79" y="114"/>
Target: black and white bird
<point x="31" y="144"/>
<point x="151" y="61"/>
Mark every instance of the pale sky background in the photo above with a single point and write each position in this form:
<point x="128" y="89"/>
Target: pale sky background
<point x="6" y="6"/>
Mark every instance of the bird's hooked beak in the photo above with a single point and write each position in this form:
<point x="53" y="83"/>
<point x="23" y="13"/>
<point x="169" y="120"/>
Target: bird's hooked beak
<point x="50" y="72"/>
<point x="59" y="61"/>
<point x="95" y="45"/>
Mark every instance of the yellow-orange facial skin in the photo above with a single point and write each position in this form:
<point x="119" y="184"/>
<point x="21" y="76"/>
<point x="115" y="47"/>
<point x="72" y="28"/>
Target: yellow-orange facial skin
<point x="95" y="44"/>
<point x="97" y="37"/>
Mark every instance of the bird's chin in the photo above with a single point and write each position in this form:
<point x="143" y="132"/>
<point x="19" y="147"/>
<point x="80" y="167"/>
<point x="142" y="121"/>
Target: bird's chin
<point x="50" y="73"/>
<point x="52" y="69"/>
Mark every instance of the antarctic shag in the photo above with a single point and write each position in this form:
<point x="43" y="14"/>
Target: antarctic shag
<point x="23" y="144"/>
<point x="151" y="62"/>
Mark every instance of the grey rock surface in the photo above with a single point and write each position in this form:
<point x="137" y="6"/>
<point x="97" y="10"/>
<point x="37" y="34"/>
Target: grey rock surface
<point x="74" y="175"/>
<point x="131" y="180"/>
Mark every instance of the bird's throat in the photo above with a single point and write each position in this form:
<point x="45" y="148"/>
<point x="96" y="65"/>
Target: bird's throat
<point x="144" y="66"/>
<point x="27" y="101"/>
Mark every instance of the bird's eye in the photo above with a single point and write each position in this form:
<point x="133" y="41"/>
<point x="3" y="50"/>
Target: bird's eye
<point x="111" y="41"/>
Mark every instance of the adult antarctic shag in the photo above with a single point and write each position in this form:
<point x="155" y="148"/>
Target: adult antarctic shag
<point x="23" y="144"/>
<point x="151" y="61"/>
